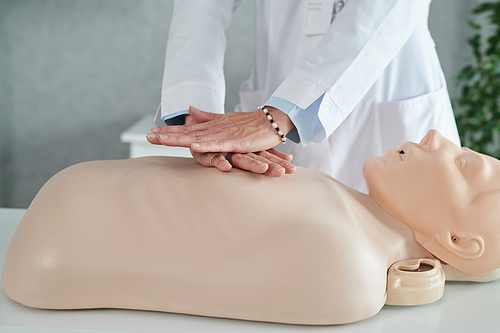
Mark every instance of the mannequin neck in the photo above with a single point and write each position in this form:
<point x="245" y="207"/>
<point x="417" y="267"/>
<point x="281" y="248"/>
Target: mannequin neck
<point x="378" y="215"/>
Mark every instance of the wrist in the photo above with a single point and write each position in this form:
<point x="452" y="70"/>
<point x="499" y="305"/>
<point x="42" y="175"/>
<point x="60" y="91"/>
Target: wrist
<point x="281" y="118"/>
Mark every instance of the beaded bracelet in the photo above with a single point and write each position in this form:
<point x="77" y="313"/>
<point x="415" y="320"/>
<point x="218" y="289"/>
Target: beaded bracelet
<point x="274" y="124"/>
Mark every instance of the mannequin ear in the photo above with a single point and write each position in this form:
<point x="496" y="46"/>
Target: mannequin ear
<point x="469" y="247"/>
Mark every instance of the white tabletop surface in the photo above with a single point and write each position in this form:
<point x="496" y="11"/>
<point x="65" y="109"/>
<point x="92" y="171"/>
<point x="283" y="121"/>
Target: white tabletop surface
<point x="465" y="307"/>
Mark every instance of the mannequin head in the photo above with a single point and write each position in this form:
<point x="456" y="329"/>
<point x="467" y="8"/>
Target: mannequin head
<point x="449" y="196"/>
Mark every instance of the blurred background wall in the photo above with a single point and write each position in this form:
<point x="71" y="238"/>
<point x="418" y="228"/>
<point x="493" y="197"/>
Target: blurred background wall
<point x="75" y="74"/>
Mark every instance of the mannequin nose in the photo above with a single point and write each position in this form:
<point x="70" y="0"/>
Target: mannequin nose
<point x="432" y="140"/>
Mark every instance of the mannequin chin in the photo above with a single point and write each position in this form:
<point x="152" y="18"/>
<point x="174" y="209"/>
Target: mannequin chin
<point x="167" y="234"/>
<point x="447" y="195"/>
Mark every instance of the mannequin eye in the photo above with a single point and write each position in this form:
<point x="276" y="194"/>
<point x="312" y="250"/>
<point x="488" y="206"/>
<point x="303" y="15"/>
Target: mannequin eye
<point x="454" y="239"/>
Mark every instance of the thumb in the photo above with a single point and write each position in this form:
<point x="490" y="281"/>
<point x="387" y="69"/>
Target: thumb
<point x="201" y="116"/>
<point x="188" y="120"/>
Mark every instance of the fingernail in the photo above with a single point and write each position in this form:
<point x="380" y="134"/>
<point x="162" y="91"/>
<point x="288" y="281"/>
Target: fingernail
<point x="151" y="135"/>
<point x="195" y="144"/>
<point x="154" y="130"/>
<point x="164" y="137"/>
<point x="261" y="164"/>
<point x="279" y="168"/>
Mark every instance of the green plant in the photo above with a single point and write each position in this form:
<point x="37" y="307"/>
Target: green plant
<point x="479" y="118"/>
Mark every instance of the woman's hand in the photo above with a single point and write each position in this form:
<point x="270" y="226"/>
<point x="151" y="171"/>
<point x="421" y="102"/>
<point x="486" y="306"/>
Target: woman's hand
<point x="270" y="162"/>
<point x="237" y="132"/>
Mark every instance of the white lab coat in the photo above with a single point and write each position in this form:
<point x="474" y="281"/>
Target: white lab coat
<point x="376" y="66"/>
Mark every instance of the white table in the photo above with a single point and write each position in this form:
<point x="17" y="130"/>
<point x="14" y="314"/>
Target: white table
<point x="464" y="308"/>
<point x="135" y="136"/>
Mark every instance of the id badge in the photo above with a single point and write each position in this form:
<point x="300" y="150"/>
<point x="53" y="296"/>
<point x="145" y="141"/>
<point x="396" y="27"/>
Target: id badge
<point x="318" y="16"/>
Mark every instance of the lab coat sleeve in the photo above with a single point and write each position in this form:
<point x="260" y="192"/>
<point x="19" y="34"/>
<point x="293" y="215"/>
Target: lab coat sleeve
<point x="193" y="73"/>
<point x="358" y="46"/>
<point x="307" y="124"/>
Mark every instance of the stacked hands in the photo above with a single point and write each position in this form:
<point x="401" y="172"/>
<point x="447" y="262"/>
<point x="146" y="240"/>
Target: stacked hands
<point x="242" y="140"/>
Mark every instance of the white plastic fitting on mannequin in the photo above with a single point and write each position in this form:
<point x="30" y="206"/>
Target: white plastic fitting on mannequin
<point x="415" y="282"/>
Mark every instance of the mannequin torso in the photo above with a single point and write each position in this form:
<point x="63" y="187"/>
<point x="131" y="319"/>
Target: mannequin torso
<point x="166" y="234"/>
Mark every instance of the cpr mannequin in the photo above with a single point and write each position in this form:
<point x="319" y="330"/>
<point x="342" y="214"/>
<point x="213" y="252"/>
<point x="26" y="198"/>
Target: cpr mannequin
<point x="166" y="234"/>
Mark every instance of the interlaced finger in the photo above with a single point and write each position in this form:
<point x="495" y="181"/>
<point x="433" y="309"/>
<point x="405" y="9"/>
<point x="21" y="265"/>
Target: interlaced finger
<point x="217" y="160"/>
<point x="248" y="162"/>
<point x="278" y="158"/>
<point x="280" y="154"/>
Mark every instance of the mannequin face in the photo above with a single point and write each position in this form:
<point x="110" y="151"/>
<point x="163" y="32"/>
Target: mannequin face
<point x="433" y="175"/>
<point x="433" y="187"/>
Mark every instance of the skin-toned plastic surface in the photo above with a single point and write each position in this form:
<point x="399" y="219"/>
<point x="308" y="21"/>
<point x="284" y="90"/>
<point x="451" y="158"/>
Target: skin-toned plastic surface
<point x="166" y="234"/>
<point x="415" y="282"/>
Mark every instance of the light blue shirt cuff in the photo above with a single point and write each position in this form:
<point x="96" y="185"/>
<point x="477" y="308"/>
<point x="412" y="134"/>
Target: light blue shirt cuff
<point x="175" y="119"/>
<point x="308" y="127"/>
